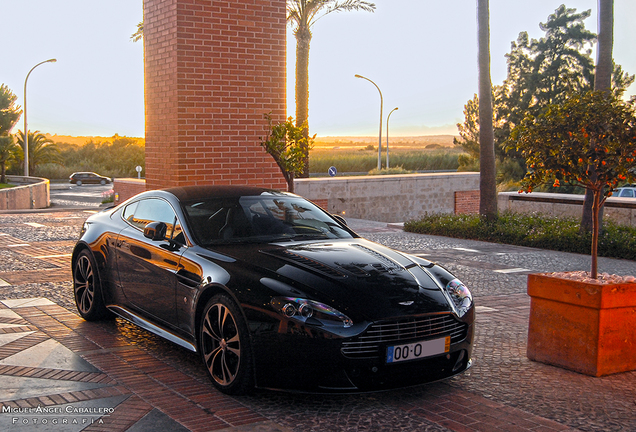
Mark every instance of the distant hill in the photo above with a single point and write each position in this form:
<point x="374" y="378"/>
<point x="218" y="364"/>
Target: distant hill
<point x="326" y="141"/>
<point x="81" y="140"/>
<point x="398" y="141"/>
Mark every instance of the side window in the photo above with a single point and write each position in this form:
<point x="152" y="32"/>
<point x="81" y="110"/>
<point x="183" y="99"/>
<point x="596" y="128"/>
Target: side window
<point x="129" y="212"/>
<point x="628" y="193"/>
<point x="143" y="212"/>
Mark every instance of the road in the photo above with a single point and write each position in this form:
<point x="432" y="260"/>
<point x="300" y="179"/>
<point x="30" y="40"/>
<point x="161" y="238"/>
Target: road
<point x="70" y="195"/>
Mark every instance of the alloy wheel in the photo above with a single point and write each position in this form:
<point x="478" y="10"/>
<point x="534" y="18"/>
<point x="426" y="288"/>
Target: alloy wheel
<point x="84" y="284"/>
<point x="221" y="344"/>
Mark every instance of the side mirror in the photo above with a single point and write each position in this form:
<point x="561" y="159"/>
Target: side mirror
<point x="340" y="219"/>
<point x="155" y="231"/>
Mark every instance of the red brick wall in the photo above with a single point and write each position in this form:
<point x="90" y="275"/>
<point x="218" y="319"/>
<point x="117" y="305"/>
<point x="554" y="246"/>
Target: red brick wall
<point x="212" y="70"/>
<point x="466" y="202"/>
<point x="125" y="188"/>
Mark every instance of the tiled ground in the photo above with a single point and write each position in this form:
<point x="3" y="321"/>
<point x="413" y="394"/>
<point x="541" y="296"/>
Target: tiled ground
<point x="58" y="372"/>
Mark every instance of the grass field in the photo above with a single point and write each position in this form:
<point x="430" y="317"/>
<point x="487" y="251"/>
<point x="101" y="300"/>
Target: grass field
<point x="347" y="154"/>
<point x="82" y="140"/>
<point x="360" y="154"/>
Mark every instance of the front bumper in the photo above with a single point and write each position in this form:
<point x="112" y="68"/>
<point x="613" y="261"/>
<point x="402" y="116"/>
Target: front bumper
<point x="315" y="362"/>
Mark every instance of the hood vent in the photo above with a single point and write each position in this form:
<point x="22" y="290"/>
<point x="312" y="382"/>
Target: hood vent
<point x="387" y="264"/>
<point x="355" y="270"/>
<point x="313" y="264"/>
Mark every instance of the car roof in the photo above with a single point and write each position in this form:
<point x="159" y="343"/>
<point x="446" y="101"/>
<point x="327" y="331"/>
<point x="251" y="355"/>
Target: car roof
<point x="193" y="193"/>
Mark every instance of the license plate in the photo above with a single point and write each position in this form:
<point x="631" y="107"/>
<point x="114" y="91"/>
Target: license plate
<point x="417" y="350"/>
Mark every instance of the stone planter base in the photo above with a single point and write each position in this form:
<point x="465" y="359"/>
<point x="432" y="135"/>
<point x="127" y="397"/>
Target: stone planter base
<point x="587" y="328"/>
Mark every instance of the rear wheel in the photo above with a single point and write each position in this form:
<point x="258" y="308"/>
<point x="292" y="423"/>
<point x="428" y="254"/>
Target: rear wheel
<point x="225" y="346"/>
<point x="87" y="288"/>
<point x="79" y="182"/>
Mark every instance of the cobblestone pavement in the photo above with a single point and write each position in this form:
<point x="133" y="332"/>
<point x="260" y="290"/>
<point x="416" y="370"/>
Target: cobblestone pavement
<point x="51" y="358"/>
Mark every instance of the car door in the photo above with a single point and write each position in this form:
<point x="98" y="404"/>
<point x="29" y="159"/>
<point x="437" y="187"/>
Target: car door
<point x="147" y="268"/>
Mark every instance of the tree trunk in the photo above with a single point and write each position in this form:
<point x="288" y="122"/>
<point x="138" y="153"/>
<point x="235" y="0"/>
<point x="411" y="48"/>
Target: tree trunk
<point x="303" y="39"/>
<point x="602" y="82"/>
<point x="596" y="206"/>
<point x="487" y="182"/>
<point x="290" y="182"/>
<point x="604" y="63"/>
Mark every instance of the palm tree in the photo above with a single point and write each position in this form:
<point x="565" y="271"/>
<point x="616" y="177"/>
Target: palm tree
<point x="603" y="82"/>
<point x="7" y="151"/>
<point x="487" y="180"/>
<point x="302" y="15"/>
<point x="42" y="150"/>
<point x="139" y="34"/>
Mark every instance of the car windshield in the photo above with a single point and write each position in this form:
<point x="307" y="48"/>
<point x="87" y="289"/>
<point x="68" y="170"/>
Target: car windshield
<point x="263" y="218"/>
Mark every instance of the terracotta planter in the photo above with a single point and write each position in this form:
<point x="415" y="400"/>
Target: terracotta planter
<point x="587" y="328"/>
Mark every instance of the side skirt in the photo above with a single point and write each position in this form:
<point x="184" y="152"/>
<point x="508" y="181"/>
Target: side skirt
<point x="146" y="325"/>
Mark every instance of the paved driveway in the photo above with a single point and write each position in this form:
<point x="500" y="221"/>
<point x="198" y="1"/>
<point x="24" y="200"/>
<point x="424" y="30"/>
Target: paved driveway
<point x="89" y="195"/>
<point x="113" y="376"/>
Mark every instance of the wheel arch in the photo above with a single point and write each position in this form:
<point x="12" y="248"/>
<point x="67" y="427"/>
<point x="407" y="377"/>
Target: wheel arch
<point x="98" y="259"/>
<point x="206" y="294"/>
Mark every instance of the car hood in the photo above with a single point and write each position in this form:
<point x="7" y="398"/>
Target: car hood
<point x="360" y="278"/>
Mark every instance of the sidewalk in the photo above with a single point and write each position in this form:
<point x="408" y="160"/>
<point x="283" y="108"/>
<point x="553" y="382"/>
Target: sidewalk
<point x="113" y="376"/>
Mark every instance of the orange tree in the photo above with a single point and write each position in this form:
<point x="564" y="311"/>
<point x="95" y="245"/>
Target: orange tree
<point x="288" y="145"/>
<point x="589" y="140"/>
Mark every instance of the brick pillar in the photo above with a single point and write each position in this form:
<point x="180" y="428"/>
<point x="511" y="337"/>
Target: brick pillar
<point x="212" y="70"/>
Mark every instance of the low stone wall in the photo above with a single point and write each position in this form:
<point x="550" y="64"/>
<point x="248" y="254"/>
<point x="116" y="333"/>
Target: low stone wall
<point x="30" y="193"/>
<point x="620" y="210"/>
<point x="391" y="198"/>
<point x="125" y="188"/>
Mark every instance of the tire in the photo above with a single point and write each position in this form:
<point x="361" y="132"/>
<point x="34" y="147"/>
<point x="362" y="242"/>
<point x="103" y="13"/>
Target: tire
<point x="79" y="182"/>
<point x="225" y="346"/>
<point x="102" y="182"/>
<point x="87" y="288"/>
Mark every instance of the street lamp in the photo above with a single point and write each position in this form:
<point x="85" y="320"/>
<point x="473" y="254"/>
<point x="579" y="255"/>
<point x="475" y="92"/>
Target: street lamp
<point x="26" y="133"/>
<point x="380" y="135"/>
<point x="387" y="137"/>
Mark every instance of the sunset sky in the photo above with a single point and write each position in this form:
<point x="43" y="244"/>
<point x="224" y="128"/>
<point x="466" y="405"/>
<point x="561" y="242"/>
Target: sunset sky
<point x="423" y="56"/>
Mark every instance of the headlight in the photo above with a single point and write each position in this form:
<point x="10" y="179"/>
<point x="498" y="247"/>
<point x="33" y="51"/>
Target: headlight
<point x="310" y="312"/>
<point x="460" y="295"/>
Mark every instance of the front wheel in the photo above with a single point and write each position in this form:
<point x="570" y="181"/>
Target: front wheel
<point x="87" y="288"/>
<point x="225" y="346"/>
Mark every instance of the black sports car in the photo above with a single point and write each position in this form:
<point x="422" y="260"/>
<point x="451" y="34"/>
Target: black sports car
<point x="272" y="291"/>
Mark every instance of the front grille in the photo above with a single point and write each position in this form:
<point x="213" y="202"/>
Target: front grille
<point x="384" y="333"/>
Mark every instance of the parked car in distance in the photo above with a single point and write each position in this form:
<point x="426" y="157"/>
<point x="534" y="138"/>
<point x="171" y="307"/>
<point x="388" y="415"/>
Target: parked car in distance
<point x="272" y="291"/>
<point x="80" y="178"/>
<point x="625" y="192"/>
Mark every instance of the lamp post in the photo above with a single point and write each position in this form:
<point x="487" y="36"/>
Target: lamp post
<point x="387" y="136"/>
<point x="380" y="135"/>
<point x="26" y="133"/>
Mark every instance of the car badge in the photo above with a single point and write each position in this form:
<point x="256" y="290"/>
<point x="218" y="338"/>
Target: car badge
<point x="407" y="303"/>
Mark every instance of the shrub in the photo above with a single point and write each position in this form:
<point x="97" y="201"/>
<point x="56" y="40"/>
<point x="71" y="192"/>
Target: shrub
<point x="532" y="230"/>
<point x="387" y="171"/>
